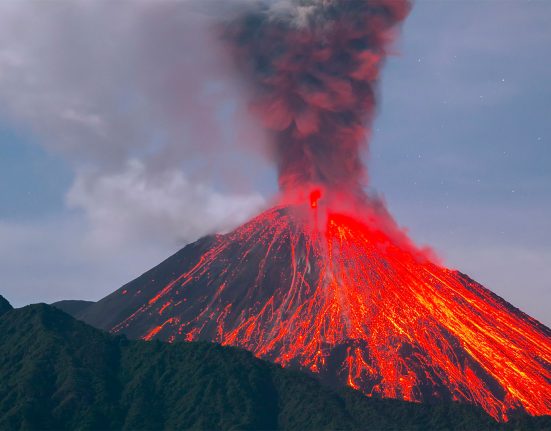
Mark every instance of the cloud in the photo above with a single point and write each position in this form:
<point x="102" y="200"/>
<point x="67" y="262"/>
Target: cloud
<point x="132" y="221"/>
<point x="135" y="205"/>
<point x="131" y="91"/>
<point x="137" y="99"/>
<point x="102" y="82"/>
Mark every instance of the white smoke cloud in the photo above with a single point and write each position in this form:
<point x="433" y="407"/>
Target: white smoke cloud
<point x="136" y="96"/>
<point x="161" y="206"/>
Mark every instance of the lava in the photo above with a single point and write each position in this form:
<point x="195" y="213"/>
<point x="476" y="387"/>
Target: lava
<point x="351" y="304"/>
<point x="315" y="195"/>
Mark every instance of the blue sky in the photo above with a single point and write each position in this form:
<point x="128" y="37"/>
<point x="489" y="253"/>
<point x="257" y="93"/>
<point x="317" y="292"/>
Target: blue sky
<point x="101" y="176"/>
<point x="33" y="180"/>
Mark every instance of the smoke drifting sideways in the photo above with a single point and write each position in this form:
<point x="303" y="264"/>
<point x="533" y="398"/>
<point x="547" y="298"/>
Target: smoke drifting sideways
<point x="312" y="69"/>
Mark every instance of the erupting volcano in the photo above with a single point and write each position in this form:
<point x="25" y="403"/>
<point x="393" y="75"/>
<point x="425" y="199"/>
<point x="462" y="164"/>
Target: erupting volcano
<point x="350" y="303"/>
<point x="325" y="280"/>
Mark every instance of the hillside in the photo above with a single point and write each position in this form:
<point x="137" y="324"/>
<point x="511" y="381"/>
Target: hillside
<point x="74" y="307"/>
<point x="59" y="373"/>
<point x="5" y="306"/>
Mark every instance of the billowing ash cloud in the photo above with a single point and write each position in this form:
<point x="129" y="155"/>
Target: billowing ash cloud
<point x="313" y="68"/>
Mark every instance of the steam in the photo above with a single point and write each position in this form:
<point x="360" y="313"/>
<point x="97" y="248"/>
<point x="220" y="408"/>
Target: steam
<point x="312" y="69"/>
<point x="130" y="95"/>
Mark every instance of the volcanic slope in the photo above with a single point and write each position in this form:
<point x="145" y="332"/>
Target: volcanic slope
<point x="58" y="373"/>
<point x="350" y="304"/>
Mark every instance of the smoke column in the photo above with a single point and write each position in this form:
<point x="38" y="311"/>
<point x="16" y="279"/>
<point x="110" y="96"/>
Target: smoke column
<point x="313" y="68"/>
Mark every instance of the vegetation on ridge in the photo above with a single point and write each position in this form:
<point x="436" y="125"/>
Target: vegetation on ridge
<point x="59" y="373"/>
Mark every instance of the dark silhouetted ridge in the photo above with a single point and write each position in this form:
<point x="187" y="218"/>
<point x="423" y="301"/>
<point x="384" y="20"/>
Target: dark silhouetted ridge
<point x="5" y="306"/>
<point x="60" y="373"/>
<point x="74" y="307"/>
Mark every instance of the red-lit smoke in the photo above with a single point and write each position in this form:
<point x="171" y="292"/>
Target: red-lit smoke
<point x="313" y="68"/>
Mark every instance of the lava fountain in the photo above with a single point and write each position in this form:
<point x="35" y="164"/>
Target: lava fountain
<point x="325" y="280"/>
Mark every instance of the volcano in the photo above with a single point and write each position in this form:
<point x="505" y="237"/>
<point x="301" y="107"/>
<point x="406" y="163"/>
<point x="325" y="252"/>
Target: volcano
<point x="325" y="281"/>
<point x="348" y="299"/>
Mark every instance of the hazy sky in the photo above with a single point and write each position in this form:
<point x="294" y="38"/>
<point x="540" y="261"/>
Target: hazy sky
<point x="118" y="129"/>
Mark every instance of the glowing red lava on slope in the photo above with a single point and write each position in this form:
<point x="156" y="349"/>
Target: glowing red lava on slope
<point x="352" y="303"/>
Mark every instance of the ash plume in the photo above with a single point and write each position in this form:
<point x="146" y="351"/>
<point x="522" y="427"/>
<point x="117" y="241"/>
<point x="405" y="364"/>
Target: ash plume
<point x="312" y="68"/>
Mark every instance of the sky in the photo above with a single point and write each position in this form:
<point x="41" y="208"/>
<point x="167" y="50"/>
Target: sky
<point x="123" y="137"/>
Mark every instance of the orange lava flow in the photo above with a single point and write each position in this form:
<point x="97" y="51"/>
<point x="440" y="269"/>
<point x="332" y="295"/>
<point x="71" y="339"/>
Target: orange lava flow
<point x="350" y="304"/>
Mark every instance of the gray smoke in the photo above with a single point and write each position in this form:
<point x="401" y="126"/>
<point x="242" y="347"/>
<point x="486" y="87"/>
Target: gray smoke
<point x="312" y="69"/>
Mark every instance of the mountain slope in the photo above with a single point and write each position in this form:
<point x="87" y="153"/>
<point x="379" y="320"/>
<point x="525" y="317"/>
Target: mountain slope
<point x="55" y="372"/>
<point x="74" y="307"/>
<point x="5" y="306"/>
<point x="59" y="373"/>
<point x="349" y="303"/>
